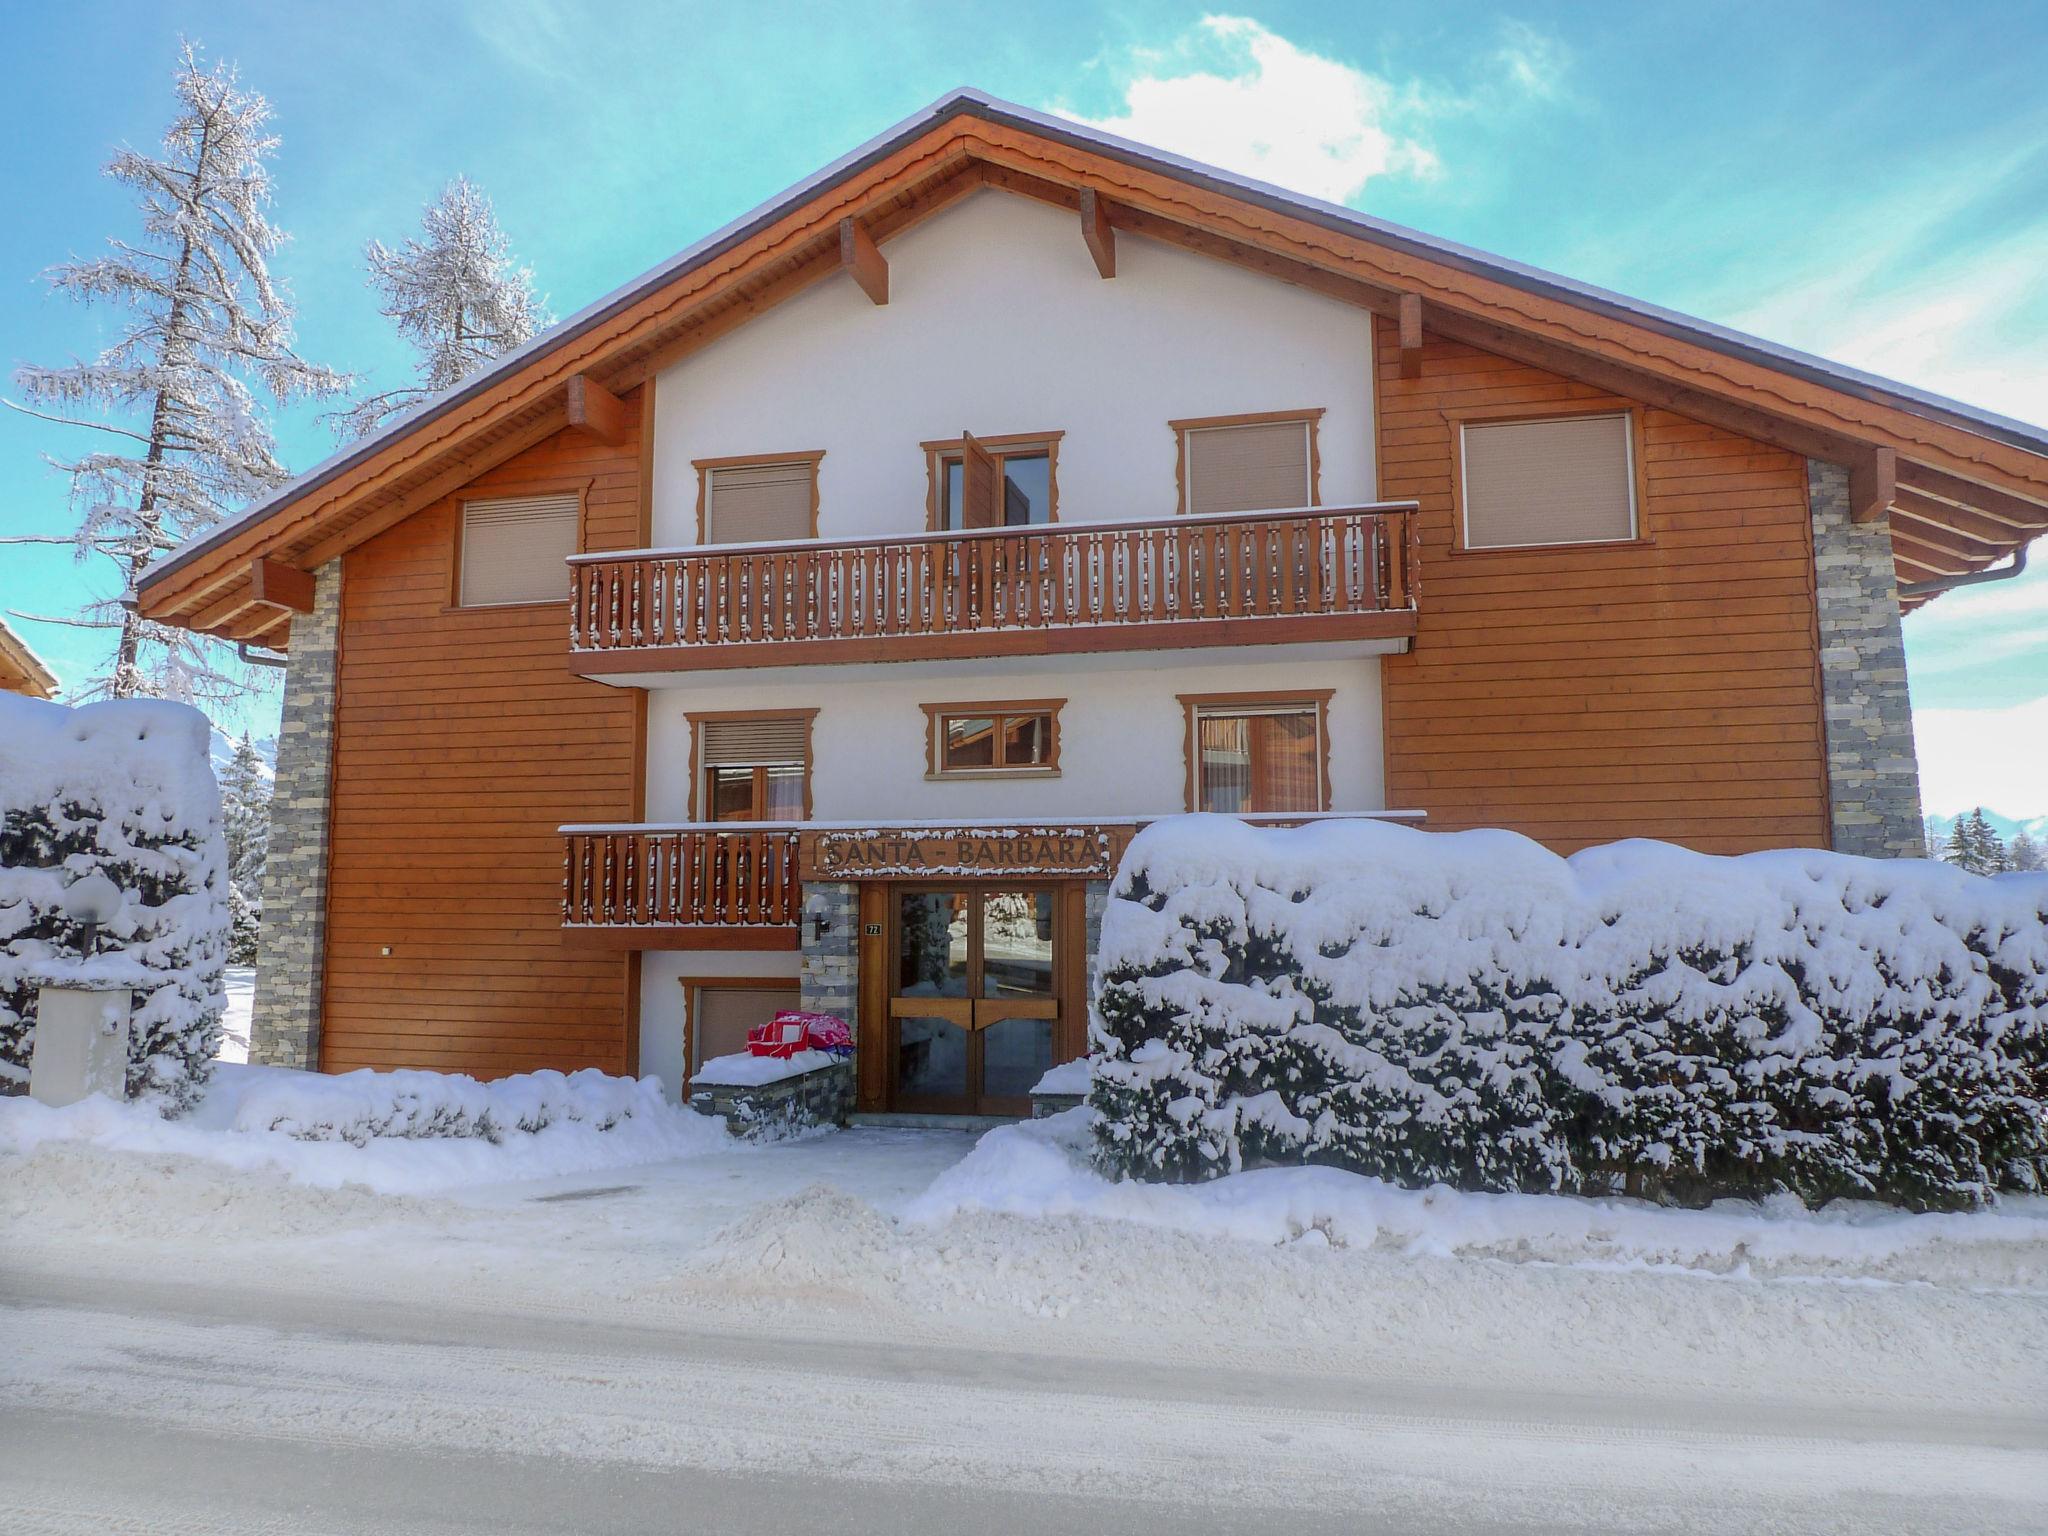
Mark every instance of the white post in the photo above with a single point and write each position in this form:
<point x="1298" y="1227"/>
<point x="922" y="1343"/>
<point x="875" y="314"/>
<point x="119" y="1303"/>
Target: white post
<point x="81" y="1043"/>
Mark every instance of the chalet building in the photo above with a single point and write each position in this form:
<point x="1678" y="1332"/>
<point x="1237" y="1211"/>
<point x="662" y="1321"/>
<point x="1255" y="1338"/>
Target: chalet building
<point x="817" y="616"/>
<point x="21" y="670"/>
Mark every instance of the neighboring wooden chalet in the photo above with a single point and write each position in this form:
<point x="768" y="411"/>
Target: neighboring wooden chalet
<point x="21" y="670"/>
<point x="818" y="615"/>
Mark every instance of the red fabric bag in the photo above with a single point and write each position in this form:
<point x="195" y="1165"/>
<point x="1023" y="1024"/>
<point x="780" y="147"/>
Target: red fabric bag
<point x="781" y="1037"/>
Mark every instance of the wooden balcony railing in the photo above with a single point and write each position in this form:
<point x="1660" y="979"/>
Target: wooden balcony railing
<point x="1240" y="578"/>
<point x="619" y="879"/>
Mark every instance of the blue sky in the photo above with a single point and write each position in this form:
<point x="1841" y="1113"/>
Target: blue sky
<point x="1842" y="178"/>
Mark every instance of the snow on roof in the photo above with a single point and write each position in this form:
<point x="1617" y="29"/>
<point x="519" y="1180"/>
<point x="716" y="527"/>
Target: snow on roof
<point x="967" y="101"/>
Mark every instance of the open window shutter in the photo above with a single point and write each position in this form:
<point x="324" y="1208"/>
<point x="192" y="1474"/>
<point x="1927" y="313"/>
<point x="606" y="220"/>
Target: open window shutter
<point x="981" y="479"/>
<point x="513" y="549"/>
<point x="1260" y="467"/>
<point x="755" y="503"/>
<point x="1566" y="481"/>
<point x="775" y="739"/>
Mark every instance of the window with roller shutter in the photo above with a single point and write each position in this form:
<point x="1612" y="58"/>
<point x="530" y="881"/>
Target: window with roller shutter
<point x="754" y="767"/>
<point x="1565" y="480"/>
<point x="758" y="501"/>
<point x="1263" y="463"/>
<point x="514" y="549"/>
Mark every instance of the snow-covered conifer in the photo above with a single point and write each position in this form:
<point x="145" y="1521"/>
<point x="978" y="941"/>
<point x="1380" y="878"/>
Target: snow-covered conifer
<point x="203" y="335"/>
<point x="2024" y="854"/>
<point x="245" y="822"/>
<point x="455" y="293"/>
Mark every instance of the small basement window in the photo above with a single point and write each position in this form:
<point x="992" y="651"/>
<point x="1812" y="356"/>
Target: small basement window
<point x="757" y="501"/>
<point x="1567" y="480"/>
<point x="720" y="1014"/>
<point x="1263" y="463"/>
<point x="964" y="741"/>
<point x="514" y="549"/>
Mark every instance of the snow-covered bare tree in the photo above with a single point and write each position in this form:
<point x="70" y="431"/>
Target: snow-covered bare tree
<point x="455" y="293"/>
<point x="206" y="335"/>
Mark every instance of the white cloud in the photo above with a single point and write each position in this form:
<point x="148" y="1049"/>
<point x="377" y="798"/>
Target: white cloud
<point x="1235" y="94"/>
<point x="1996" y="758"/>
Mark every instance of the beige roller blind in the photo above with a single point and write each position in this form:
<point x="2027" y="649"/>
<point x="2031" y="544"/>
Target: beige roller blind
<point x="1568" y="481"/>
<point x="1253" y="468"/>
<point x="769" y="741"/>
<point x="724" y="1015"/>
<point x="751" y="503"/>
<point x="513" y="548"/>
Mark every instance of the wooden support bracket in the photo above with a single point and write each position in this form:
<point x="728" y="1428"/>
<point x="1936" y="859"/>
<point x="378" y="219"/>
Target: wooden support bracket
<point x="1096" y="232"/>
<point x="595" y="411"/>
<point x="859" y="255"/>
<point x="273" y="584"/>
<point x="1411" y="335"/>
<point x="1873" y="482"/>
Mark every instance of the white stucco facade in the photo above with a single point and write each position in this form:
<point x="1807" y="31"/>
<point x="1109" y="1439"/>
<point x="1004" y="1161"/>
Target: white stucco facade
<point x="997" y="323"/>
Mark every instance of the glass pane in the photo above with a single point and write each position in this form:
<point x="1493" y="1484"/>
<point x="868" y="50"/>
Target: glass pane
<point x="1025" y="739"/>
<point x="951" y="489"/>
<point x="1284" y="755"/>
<point x="933" y="944"/>
<point x="970" y="742"/>
<point x="1016" y="944"/>
<point x="931" y="1059"/>
<point x="1015" y="1054"/>
<point x="1226" y="766"/>
<point x="785" y="795"/>
<point x="1027" y="488"/>
<point x="732" y="793"/>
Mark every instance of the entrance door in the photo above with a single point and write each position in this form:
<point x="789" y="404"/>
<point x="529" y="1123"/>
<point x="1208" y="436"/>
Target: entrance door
<point x="975" y="997"/>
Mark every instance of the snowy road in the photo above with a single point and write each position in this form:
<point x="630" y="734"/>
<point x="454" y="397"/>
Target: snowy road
<point x="247" y="1410"/>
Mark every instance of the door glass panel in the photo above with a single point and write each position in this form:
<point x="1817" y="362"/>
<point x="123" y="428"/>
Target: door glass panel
<point x="931" y="1059"/>
<point x="1016" y="944"/>
<point x="1027" y="488"/>
<point x="932" y="944"/>
<point x="1016" y="1053"/>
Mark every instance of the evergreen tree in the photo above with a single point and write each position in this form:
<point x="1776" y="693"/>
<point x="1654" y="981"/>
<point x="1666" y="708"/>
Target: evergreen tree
<point x="205" y="331"/>
<point x="1959" y="850"/>
<point x="245" y="822"/>
<point x="1975" y="846"/>
<point x="2025" y="853"/>
<point x="455" y="294"/>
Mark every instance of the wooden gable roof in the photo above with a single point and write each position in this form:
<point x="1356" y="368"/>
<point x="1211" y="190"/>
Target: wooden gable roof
<point x="21" y="670"/>
<point x="1965" y="487"/>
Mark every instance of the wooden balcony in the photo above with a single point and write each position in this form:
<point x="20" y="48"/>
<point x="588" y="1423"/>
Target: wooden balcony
<point x="681" y="888"/>
<point x="1325" y="574"/>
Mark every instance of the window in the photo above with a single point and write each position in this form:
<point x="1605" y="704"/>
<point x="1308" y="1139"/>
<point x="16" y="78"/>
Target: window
<point x="753" y="767"/>
<point x="1016" y="481"/>
<point x="513" y="549"/>
<point x="1015" y="737"/>
<point x="1262" y="754"/>
<point x="768" y="498"/>
<point x="718" y="1014"/>
<point x="1258" y="463"/>
<point x="1567" y="480"/>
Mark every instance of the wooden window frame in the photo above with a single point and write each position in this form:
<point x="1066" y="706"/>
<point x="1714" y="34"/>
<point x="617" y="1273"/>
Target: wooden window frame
<point x="1459" y="417"/>
<point x="1195" y="705"/>
<point x="691" y="985"/>
<point x="698" y="719"/>
<point x="1311" y="418"/>
<point x="937" y="451"/>
<point x="935" y="716"/>
<point x="812" y="457"/>
<point x="512" y="490"/>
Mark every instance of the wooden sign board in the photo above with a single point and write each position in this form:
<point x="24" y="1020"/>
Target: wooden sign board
<point x="1077" y="853"/>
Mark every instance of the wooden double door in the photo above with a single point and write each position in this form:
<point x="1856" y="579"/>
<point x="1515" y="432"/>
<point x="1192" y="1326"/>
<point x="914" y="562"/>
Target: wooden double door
<point x="978" y="986"/>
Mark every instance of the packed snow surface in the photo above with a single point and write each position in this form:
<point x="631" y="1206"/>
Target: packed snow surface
<point x="742" y="1069"/>
<point x="1067" y="1077"/>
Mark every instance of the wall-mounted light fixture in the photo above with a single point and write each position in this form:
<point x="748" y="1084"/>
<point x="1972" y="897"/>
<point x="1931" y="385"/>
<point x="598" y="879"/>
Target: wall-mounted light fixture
<point x="818" y="913"/>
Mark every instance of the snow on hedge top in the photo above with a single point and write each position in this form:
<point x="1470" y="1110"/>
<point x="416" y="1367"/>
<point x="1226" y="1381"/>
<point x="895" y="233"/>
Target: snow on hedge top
<point x="1451" y="905"/>
<point x="143" y="758"/>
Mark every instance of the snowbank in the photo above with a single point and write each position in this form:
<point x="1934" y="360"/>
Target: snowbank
<point x="389" y="1131"/>
<point x="1468" y="1008"/>
<point x="124" y="788"/>
<point x="1043" y="1169"/>
<point x="1067" y="1077"/>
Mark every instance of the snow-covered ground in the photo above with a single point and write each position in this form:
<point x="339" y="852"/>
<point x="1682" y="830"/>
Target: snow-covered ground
<point x="911" y="1330"/>
<point x="240" y="985"/>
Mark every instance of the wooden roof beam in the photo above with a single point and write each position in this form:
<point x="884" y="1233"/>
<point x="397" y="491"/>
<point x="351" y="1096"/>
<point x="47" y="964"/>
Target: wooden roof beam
<point x="1096" y="233"/>
<point x="1912" y="504"/>
<point x="1873" y="480"/>
<point x="859" y="255"/>
<point x="2014" y="511"/>
<point x="1934" y="536"/>
<point x="1410" y="322"/>
<point x="1927" y="557"/>
<point x="595" y="411"/>
<point x="273" y="584"/>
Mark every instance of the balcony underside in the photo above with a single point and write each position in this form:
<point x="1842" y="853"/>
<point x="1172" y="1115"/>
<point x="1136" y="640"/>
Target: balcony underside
<point x="690" y="936"/>
<point x="1074" y="640"/>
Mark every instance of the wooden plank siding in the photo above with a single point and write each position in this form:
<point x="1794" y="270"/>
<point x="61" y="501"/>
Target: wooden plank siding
<point x="1666" y="688"/>
<point x="460" y="744"/>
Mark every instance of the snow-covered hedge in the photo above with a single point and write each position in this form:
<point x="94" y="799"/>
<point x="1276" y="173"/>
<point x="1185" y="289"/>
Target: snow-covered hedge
<point x="366" y="1105"/>
<point x="125" y="788"/>
<point x="1469" y="1008"/>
